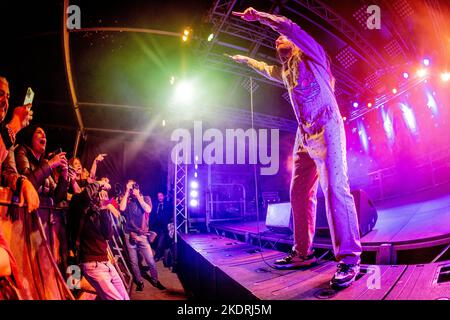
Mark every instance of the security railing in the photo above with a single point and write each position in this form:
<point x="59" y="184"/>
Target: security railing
<point x="38" y="243"/>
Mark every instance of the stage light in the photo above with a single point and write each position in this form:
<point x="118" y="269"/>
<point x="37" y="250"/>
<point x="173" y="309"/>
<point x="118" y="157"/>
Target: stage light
<point x="195" y="174"/>
<point x="193" y="202"/>
<point x="355" y="104"/>
<point x="186" y="34"/>
<point x="394" y="91"/>
<point x="172" y="80"/>
<point x="184" y="93"/>
<point x="369" y="105"/>
<point x="344" y="118"/>
<point x="194" y="193"/>
<point x="405" y="75"/>
<point x="194" y="184"/>
<point x="426" y="62"/>
<point x="445" y="76"/>
<point x="164" y="123"/>
<point x="422" y="73"/>
<point x="210" y="37"/>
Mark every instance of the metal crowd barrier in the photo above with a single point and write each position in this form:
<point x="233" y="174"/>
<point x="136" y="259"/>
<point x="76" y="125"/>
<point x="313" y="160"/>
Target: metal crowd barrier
<point x="38" y="243"/>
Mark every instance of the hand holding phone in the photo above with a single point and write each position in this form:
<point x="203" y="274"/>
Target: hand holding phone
<point x="29" y="97"/>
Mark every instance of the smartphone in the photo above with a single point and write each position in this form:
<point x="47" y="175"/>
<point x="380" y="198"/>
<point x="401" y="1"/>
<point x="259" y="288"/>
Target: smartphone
<point x="29" y="97"/>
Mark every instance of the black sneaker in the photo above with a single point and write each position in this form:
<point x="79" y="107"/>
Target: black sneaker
<point x="294" y="260"/>
<point x="140" y="286"/>
<point x="157" y="284"/>
<point x="345" y="275"/>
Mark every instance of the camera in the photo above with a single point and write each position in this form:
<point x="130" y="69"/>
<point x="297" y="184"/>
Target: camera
<point x="135" y="186"/>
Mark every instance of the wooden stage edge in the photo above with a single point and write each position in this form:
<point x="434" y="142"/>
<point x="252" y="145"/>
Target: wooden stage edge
<point x="214" y="267"/>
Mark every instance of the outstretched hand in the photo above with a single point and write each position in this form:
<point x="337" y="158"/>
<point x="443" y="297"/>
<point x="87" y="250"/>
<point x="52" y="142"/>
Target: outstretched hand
<point x="249" y="14"/>
<point x="239" y="58"/>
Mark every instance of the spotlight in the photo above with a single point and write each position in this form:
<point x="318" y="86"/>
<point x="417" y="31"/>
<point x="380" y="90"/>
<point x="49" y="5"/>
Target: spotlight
<point x="194" y="184"/>
<point x="445" y="76"/>
<point x="164" y="123"/>
<point x="394" y="91"/>
<point x="194" y="193"/>
<point x="405" y="75"/>
<point x="184" y="93"/>
<point x="422" y="73"/>
<point x="186" y="34"/>
<point x="193" y="202"/>
<point x="426" y="62"/>
<point x="344" y="118"/>
<point x="172" y="80"/>
<point x="355" y="104"/>
<point x="210" y="37"/>
<point x="369" y="105"/>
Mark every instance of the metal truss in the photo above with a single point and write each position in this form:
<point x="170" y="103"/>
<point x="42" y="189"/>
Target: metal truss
<point x="371" y="54"/>
<point x="180" y="199"/>
<point x="383" y="99"/>
<point x="259" y="36"/>
<point x="260" y="120"/>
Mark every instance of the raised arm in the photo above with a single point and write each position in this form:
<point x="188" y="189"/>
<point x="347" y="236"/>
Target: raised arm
<point x="286" y="27"/>
<point x="99" y="158"/>
<point x="269" y="71"/>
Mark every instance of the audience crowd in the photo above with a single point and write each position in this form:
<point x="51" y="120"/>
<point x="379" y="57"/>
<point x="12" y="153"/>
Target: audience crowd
<point x="40" y="179"/>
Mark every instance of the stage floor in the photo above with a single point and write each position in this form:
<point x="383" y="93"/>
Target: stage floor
<point x="409" y="222"/>
<point x="214" y="267"/>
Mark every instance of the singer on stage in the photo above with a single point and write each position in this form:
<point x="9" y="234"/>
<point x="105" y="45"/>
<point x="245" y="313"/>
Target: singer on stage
<point x="319" y="151"/>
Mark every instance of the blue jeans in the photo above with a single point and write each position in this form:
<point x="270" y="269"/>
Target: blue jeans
<point x="141" y="244"/>
<point x="105" y="279"/>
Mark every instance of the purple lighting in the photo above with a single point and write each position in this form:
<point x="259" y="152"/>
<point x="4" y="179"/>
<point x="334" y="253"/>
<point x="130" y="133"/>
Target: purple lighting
<point x="194" y="184"/>
<point x="193" y="203"/>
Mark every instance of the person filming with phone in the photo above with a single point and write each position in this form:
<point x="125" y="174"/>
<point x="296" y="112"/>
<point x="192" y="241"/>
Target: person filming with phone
<point x="136" y="209"/>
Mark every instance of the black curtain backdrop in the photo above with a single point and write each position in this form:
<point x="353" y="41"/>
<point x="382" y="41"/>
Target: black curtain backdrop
<point x="129" y="157"/>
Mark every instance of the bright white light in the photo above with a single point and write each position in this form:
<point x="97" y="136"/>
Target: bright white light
<point x="431" y="103"/>
<point x="422" y="73"/>
<point x="445" y="76"/>
<point x="194" y="193"/>
<point x="394" y="91"/>
<point x="355" y="104"/>
<point x="196" y="166"/>
<point x="210" y="37"/>
<point x="195" y="175"/>
<point x="405" y="75"/>
<point x="388" y="125"/>
<point x="193" y="203"/>
<point x="164" y="123"/>
<point x="409" y="117"/>
<point x="184" y="93"/>
<point x="194" y="184"/>
<point x="172" y="80"/>
<point x="426" y="62"/>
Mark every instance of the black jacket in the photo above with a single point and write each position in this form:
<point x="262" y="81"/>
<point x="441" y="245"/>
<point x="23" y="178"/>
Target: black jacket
<point x="96" y="225"/>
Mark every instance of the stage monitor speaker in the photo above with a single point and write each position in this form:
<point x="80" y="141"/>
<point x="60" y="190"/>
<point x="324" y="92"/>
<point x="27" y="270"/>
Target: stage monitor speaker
<point x="367" y="214"/>
<point x="279" y="215"/>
